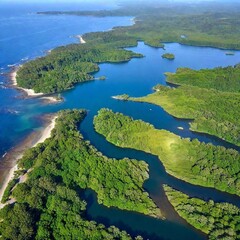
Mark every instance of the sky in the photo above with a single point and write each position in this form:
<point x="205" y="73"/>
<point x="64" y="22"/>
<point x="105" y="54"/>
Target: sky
<point x="107" y="1"/>
<point x="56" y="1"/>
<point x="99" y="1"/>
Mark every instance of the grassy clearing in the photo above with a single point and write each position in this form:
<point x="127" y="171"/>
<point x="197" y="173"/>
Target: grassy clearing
<point x="195" y="162"/>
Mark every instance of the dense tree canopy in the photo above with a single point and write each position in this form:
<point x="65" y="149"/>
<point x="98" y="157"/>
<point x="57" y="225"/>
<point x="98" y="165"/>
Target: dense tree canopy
<point x="222" y="79"/>
<point x="48" y="205"/>
<point x="155" y="23"/>
<point x="210" y="97"/>
<point x="218" y="220"/>
<point x="169" y="56"/>
<point x="66" y="66"/>
<point x="193" y="161"/>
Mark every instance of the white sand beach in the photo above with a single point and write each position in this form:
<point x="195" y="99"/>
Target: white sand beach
<point x="7" y="180"/>
<point x="45" y="133"/>
<point x="29" y="92"/>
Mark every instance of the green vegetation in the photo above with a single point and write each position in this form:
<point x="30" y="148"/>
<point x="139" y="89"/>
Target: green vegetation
<point x="154" y="43"/>
<point x="65" y="66"/>
<point x="222" y="79"/>
<point x="113" y="38"/>
<point x="218" y="220"/>
<point x="195" y="162"/>
<point x="72" y="64"/>
<point x="214" y="111"/>
<point x="48" y="205"/>
<point x="156" y="23"/>
<point x="155" y="30"/>
<point x="63" y="218"/>
<point x="7" y="192"/>
<point x="168" y="56"/>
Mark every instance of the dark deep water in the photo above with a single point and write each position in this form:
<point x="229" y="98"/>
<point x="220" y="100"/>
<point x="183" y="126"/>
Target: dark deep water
<point x="25" y="35"/>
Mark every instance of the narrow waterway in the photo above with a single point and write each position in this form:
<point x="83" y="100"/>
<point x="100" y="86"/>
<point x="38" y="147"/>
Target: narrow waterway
<point x="157" y="177"/>
<point x="135" y="78"/>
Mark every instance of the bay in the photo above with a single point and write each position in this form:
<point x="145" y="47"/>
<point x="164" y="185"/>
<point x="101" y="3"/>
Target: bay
<point x="25" y="35"/>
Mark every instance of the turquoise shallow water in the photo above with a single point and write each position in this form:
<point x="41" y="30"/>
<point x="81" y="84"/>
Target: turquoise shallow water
<point x="24" y="35"/>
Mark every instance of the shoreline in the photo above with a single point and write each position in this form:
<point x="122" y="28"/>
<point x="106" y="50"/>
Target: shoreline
<point x="82" y="41"/>
<point x="28" y="92"/>
<point x="9" y="177"/>
<point x="224" y="141"/>
<point x="46" y="132"/>
<point x="13" y="156"/>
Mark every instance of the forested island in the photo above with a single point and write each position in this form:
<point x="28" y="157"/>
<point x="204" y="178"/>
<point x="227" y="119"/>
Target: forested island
<point x="169" y="56"/>
<point x="192" y="161"/>
<point x="49" y="203"/>
<point x="209" y="96"/>
<point x="66" y="66"/>
<point x="58" y="170"/>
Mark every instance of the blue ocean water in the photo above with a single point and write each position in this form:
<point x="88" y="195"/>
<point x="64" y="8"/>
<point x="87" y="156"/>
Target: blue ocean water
<point x="25" y="35"/>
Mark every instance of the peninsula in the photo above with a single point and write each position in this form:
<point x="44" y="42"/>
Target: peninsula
<point x="192" y="161"/>
<point x="44" y="198"/>
<point x="61" y="166"/>
<point x="205" y="96"/>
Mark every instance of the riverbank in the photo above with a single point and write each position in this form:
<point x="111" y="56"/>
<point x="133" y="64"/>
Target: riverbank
<point x="28" y="92"/>
<point x="199" y="104"/>
<point x="224" y="223"/>
<point x="173" y="151"/>
<point x="10" y="159"/>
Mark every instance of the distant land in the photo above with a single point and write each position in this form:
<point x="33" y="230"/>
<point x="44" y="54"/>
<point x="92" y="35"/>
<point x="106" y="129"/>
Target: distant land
<point x="45" y="198"/>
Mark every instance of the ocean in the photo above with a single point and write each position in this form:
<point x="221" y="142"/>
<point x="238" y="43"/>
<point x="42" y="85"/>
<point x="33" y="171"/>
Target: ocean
<point x="25" y="35"/>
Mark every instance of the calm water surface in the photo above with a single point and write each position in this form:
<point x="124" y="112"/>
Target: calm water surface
<point x="24" y="35"/>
